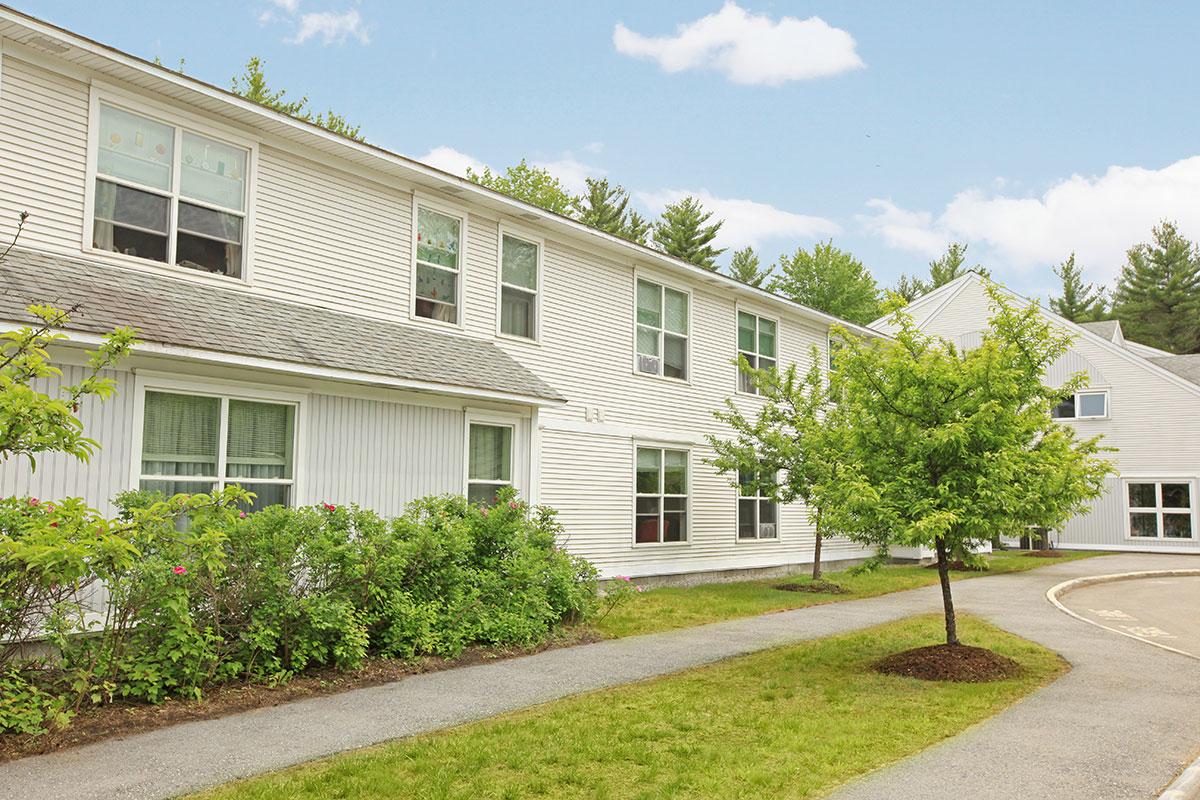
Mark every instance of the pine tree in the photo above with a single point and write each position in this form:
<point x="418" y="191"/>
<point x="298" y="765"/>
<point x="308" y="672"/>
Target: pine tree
<point x="1158" y="294"/>
<point x="1080" y="302"/>
<point x="532" y="184"/>
<point x="831" y="280"/>
<point x="252" y="85"/>
<point x="745" y="267"/>
<point x="682" y="232"/>
<point x="910" y="287"/>
<point x="602" y="206"/>
<point x="946" y="268"/>
<point x="637" y="228"/>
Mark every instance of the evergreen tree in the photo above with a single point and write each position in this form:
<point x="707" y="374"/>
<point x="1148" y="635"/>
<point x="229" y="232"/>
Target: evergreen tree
<point x="831" y="280"/>
<point x="534" y="185"/>
<point x="636" y="228"/>
<point x="910" y="287"/>
<point x="1158" y="294"/>
<point x="946" y="268"/>
<point x="602" y="206"/>
<point x="252" y="85"/>
<point x="1080" y="302"/>
<point x="682" y="232"/>
<point x="745" y="267"/>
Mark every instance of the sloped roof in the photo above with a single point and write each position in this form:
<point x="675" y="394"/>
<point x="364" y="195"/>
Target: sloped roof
<point x="189" y="314"/>
<point x="1106" y="328"/>
<point x="1186" y="367"/>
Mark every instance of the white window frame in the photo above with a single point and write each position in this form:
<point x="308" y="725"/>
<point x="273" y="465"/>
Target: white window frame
<point x="104" y="94"/>
<point x="1107" y="407"/>
<point x="495" y="421"/>
<point x="1159" y="509"/>
<point x="664" y="286"/>
<point x="738" y="311"/>
<point x="687" y="503"/>
<point x="758" y="500"/>
<point x="225" y="391"/>
<point x="514" y="232"/>
<point x="424" y="201"/>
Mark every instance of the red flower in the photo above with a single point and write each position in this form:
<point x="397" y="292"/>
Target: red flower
<point x="180" y="570"/>
<point x="329" y="506"/>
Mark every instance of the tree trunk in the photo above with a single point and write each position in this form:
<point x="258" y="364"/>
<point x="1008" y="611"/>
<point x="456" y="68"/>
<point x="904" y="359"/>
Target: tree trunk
<point x="816" y="575"/>
<point x="947" y="600"/>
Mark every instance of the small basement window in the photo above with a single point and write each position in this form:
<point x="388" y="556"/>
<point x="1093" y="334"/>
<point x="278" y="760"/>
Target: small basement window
<point x="1160" y="509"/>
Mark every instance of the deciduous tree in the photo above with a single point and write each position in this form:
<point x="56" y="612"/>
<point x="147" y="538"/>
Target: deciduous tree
<point x="529" y="183"/>
<point x="829" y="279"/>
<point x="252" y="85"/>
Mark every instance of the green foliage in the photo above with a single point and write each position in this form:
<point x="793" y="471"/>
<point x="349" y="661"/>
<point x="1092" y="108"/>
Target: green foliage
<point x="637" y="228"/>
<point x="1158" y="294"/>
<point x="534" y="185"/>
<point x="744" y="266"/>
<point x="831" y="280"/>
<point x="683" y="231"/>
<point x="947" y="448"/>
<point x="26" y="707"/>
<point x="604" y="207"/>
<point x="252" y="85"/>
<point x="942" y="270"/>
<point x="1080" y="302"/>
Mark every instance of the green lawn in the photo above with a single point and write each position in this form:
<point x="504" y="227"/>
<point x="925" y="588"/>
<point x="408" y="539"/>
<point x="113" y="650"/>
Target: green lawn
<point x="664" y="609"/>
<point x="794" y="722"/>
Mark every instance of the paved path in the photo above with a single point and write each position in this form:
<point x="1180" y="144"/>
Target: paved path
<point x="1164" y="610"/>
<point x="1118" y="726"/>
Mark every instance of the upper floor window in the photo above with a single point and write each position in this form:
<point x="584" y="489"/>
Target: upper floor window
<point x="662" y="330"/>
<point x="756" y="344"/>
<point x="1082" y="405"/>
<point x="182" y="452"/>
<point x="519" y="274"/>
<point x="168" y="194"/>
<point x="439" y="266"/>
<point x="489" y="461"/>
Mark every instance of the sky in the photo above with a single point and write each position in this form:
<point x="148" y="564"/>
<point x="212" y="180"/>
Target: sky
<point x="1026" y="130"/>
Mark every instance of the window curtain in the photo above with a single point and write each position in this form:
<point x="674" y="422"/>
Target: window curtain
<point x="181" y="434"/>
<point x="106" y="202"/>
<point x="490" y="453"/>
<point x="259" y="443"/>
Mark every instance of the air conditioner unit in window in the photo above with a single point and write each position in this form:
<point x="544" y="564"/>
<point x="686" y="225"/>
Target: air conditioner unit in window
<point x="648" y="364"/>
<point x="766" y="530"/>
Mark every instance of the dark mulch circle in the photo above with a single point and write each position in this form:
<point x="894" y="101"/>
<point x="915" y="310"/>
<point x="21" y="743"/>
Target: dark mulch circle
<point x="950" y="662"/>
<point x="958" y="566"/>
<point x="1046" y="554"/>
<point x="816" y="587"/>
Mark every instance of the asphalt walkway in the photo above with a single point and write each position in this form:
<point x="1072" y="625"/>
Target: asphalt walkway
<point x="1119" y="725"/>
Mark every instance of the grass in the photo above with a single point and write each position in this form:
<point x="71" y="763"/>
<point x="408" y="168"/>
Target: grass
<point x="794" y="722"/>
<point x="665" y="609"/>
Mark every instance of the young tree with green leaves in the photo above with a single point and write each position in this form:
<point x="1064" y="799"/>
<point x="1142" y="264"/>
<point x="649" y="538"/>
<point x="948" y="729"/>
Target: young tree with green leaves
<point x="947" y="448"/>
<point x="684" y="231"/>
<point x="910" y="287"/>
<point x="1158" y="294"/>
<point x="1080" y="302"/>
<point x="744" y="266"/>
<point x="942" y="270"/>
<point x="532" y="184"/>
<point x="252" y="85"/>
<point x="829" y="279"/>
<point x="791" y="450"/>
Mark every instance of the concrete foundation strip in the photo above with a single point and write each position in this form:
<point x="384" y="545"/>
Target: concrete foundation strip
<point x="1187" y="785"/>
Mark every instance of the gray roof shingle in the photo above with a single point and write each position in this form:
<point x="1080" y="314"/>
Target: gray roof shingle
<point x="1105" y="328"/>
<point x="176" y="311"/>
<point x="1186" y="367"/>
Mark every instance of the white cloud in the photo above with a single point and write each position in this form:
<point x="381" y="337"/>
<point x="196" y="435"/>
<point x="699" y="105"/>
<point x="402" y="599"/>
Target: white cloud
<point x="289" y="6"/>
<point x="331" y="28"/>
<point x="593" y="147"/>
<point x="1097" y="217"/>
<point x="748" y="48"/>
<point x="570" y="172"/>
<point x="451" y="160"/>
<point x="747" y="222"/>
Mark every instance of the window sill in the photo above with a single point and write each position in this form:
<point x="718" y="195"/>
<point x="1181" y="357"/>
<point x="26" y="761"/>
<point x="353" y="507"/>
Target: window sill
<point x="510" y="337"/>
<point x="449" y="327"/>
<point x="162" y="267"/>
<point x="649" y="545"/>
<point x="739" y="540"/>
<point x="668" y="379"/>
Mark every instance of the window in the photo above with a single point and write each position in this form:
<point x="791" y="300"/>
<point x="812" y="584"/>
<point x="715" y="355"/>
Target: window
<point x="661" y="488"/>
<point x="756" y="344"/>
<point x="1160" y="510"/>
<point x="662" y="330"/>
<point x="439" y="248"/>
<point x="198" y="443"/>
<point x="1082" y="405"/>
<point x="167" y="194"/>
<point x="489" y="461"/>
<point x="519" y="273"/>
<point x="758" y="514"/>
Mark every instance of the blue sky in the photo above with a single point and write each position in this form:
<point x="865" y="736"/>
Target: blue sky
<point x="1027" y="130"/>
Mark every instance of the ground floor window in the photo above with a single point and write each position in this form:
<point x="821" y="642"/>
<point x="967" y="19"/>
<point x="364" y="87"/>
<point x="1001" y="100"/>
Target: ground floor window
<point x="758" y="514"/>
<point x="196" y="443"/>
<point x="489" y="461"/>
<point x="1160" y="509"/>
<point x="661" y="495"/>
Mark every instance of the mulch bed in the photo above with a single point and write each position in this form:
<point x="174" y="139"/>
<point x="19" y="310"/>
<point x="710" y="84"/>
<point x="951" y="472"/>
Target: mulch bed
<point x="950" y="662"/>
<point x="1046" y="554"/>
<point x="958" y="566"/>
<point x="123" y="719"/>
<point x="816" y="587"/>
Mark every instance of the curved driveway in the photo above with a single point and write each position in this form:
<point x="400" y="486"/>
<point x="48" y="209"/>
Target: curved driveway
<point x="1164" y="610"/>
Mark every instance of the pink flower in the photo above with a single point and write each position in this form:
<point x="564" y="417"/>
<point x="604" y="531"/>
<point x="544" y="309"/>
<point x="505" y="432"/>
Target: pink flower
<point x="513" y="505"/>
<point x="485" y="511"/>
<point x="180" y="570"/>
<point x="241" y="515"/>
<point x="33" y="501"/>
<point x="329" y="506"/>
<point x="623" y="578"/>
<point x="641" y="588"/>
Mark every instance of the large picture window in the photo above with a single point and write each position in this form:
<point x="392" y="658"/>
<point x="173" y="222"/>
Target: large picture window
<point x="168" y="194"/>
<point x="519" y="273"/>
<point x="758" y="514"/>
<point x="662" y="330"/>
<point x="489" y="461"/>
<point x="1160" y="509"/>
<point x="439" y="266"/>
<point x="756" y="344"/>
<point x="198" y="443"/>
<point x="661" y="495"/>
